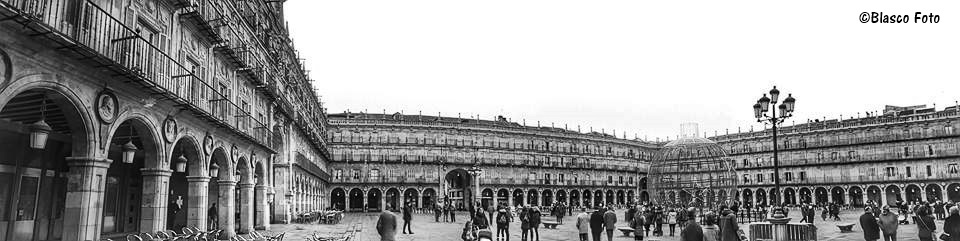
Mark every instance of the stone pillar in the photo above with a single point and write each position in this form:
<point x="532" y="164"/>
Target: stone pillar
<point x="883" y="197"/>
<point x="226" y="209"/>
<point x="281" y="206"/>
<point x="509" y="198"/>
<point x="863" y="195"/>
<point x="246" y="207"/>
<point x="903" y="193"/>
<point x="83" y="209"/>
<point x="153" y="206"/>
<point x="197" y="188"/>
<point x="830" y="195"/>
<point x="923" y="193"/>
<point x="943" y="192"/>
<point x="261" y="219"/>
<point x="346" y="201"/>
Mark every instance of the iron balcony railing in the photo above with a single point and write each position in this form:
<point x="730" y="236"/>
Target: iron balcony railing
<point x="88" y="30"/>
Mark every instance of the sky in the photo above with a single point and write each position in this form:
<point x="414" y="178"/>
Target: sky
<point x="639" y="67"/>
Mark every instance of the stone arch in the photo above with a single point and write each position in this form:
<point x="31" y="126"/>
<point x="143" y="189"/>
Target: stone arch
<point x="546" y="197"/>
<point x="747" y="196"/>
<point x="874" y="193"/>
<point x="70" y="102"/>
<point x="374" y="195"/>
<point x="892" y="192"/>
<point x="561" y="196"/>
<point x="429" y="197"/>
<point x="933" y="192"/>
<point x="69" y="142"/>
<point x="412" y="196"/>
<point x="393" y="199"/>
<point x="953" y="192"/>
<point x="575" y="198"/>
<point x="148" y="133"/>
<point x="502" y="196"/>
<point x="806" y="195"/>
<point x="821" y="194"/>
<point x="913" y="192"/>
<point x="644" y="196"/>
<point x="356" y="199"/>
<point x="338" y="198"/>
<point x="855" y="194"/>
<point x="837" y="194"/>
<point x="184" y="188"/>
<point x="518" y="197"/>
<point x="533" y="197"/>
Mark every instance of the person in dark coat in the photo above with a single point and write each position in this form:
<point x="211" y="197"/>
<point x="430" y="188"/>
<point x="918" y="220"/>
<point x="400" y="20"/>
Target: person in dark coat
<point x="535" y="223"/>
<point x="870" y="225"/>
<point x="926" y="226"/>
<point x="503" y="223"/>
<point x="952" y="224"/>
<point x="407" y="217"/>
<point x="524" y="223"/>
<point x="480" y="219"/>
<point x="692" y="231"/>
<point x="729" y="230"/>
<point x="596" y="224"/>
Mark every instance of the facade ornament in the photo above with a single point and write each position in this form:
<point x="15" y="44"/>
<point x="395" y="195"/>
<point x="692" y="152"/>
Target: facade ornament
<point x="170" y="129"/>
<point x="107" y="107"/>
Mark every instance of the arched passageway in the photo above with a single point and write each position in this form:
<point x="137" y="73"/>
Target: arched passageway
<point x="35" y="179"/>
<point x="338" y="199"/>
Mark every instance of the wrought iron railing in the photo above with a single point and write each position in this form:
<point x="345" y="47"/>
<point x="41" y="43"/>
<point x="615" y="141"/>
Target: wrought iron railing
<point x="95" y="32"/>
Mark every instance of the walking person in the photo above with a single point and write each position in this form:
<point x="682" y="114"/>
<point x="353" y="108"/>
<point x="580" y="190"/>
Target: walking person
<point x="453" y="214"/>
<point x="636" y="223"/>
<point x="524" y="223"/>
<point x="503" y="223"/>
<point x="437" y="212"/>
<point x="926" y="226"/>
<point x="729" y="229"/>
<point x="596" y="223"/>
<point x="213" y="217"/>
<point x="387" y="226"/>
<point x="407" y="217"/>
<point x="870" y="225"/>
<point x="446" y="212"/>
<point x="672" y="221"/>
<point x="692" y="231"/>
<point x="583" y="225"/>
<point x="610" y="222"/>
<point x="889" y="223"/>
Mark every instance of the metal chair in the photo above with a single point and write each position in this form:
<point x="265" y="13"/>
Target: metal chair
<point x="131" y="237"/>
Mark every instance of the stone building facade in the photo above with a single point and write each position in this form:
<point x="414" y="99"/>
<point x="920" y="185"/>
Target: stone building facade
<point x="384" y="161"/>
<point x="904" y="154"/>
<point x="128" y="116"/>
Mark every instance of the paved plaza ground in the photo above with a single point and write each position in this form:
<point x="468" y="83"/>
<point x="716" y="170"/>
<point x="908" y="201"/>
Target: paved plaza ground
<point x="425" y="228"/>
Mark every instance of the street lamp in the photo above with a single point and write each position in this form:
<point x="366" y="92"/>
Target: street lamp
<point x="475" y="172"/>
<point x="760" y="110"/>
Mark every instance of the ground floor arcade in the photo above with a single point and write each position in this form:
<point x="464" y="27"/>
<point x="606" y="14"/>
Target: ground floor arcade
<point x="372" y="199"/>
<point x="856" y="195"/>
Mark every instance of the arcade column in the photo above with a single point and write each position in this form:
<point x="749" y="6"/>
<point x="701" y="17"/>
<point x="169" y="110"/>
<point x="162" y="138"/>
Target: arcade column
<point x="84" y="206"/>
<point x="197" y="203"/>
<point x="153" y="209"/>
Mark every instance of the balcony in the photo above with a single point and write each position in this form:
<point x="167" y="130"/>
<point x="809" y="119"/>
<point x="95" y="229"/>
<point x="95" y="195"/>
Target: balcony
<point x="206" y="15"/>
<point x="110" y="45"/>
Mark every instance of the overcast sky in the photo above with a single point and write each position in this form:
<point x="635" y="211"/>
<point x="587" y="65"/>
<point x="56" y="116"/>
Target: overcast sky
<point x="642" y="67"/>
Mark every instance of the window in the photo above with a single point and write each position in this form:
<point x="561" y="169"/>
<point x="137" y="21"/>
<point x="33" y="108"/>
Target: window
<point x="929" y="171"/>
<point x="630" y="181"/>
<point x="561" y="177"/>
<point x="788" y="176"/>
<point x="338" y="174"/>
<point x="803" y="176"/>
<point x="948" y="129"/>
<point x="952" y="168"/>
<point x="746" y="163"/>
<point x="746" y="178"/>
<point x="609" y="179"/>
<point x="621" y="180"/>
<point x="819" y="157"/>
<point x="356" y="174"/>
<point x="576" y="178"/>
<point x="759" y="161"/>
<point x="759" y="178"/>
<point x="930" y="150"/>
<point x="891" y="171"/>
<point x="851" y="154"/>
<point x="375" y="174"/>
<point x="909" y="169"/>
<point x="532" y="176"/>
<point x="906" y="151"/>
<point x="546" y="178"/>
<point x="833" y="156"/>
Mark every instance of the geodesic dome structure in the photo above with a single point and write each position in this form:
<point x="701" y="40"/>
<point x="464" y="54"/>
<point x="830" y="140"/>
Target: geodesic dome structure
<point x="692" y="171"/>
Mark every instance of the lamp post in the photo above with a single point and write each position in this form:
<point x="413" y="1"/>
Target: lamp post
<point x="475" y="172"/>
<point x="760" y="111"/>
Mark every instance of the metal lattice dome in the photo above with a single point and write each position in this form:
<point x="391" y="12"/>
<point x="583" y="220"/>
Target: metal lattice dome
<point x="692" y="171"/>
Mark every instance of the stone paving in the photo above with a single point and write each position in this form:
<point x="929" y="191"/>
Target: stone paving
<point x="425" y="228"/>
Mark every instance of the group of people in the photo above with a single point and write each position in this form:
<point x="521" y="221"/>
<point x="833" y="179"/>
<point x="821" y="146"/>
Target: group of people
<point x="879" y="222"/>
<point x="447" y="210"/>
